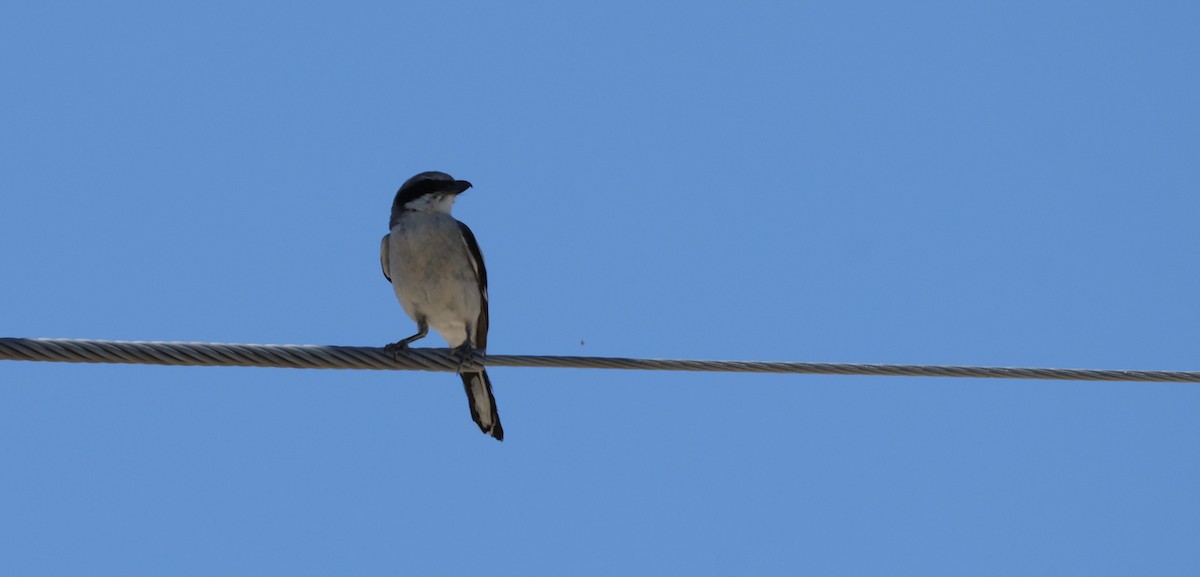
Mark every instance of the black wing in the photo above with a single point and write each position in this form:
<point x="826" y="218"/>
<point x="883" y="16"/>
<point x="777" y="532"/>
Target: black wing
<point x="479" y="339"/>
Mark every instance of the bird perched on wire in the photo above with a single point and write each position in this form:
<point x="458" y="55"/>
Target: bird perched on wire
<point x="437" y="273"/>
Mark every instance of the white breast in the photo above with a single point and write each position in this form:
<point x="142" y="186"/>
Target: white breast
<point x="432" y="274"/>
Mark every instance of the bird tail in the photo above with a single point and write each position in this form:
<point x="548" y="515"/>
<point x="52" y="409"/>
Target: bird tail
<point x="483" y="403"/>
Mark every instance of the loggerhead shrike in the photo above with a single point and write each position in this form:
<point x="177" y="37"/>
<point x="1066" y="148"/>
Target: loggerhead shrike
<point x="437" y="272"/>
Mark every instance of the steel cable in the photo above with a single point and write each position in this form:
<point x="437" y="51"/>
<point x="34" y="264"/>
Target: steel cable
<point x="432" y="359"/>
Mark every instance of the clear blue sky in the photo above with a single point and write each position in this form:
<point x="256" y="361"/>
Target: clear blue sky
<point x="996" y="183"/>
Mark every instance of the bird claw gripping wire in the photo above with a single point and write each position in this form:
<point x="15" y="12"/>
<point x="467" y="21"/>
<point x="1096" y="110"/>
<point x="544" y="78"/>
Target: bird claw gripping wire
<point x="468" y="358"/>
<point x="396" y="350"/>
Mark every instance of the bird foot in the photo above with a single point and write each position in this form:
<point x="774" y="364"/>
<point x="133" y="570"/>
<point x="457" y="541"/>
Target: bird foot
<point x="466" y="355"/>
<point x="396" y="349"/>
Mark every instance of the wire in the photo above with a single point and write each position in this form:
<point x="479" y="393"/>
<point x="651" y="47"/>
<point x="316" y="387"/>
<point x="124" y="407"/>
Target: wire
<point x="336" y="357"/>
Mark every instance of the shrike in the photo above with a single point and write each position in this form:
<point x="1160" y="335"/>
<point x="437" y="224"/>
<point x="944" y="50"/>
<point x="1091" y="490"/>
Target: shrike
<point x="437" y="272"/>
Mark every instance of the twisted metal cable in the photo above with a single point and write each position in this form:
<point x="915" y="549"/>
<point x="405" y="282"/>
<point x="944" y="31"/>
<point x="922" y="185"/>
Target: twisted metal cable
<point x="335" y="357"/>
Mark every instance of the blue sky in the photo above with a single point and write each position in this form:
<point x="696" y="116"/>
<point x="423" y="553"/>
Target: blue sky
<point x="996" y="183"/>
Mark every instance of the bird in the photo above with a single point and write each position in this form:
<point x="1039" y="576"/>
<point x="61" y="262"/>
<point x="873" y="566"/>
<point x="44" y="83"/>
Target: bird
<point x="436" y="270"/>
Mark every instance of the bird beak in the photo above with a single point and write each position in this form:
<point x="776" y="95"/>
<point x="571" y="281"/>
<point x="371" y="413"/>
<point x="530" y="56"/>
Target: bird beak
<point x="457" y="187"/>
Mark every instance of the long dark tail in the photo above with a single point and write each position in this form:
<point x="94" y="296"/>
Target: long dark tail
<point x="483" y="403"/>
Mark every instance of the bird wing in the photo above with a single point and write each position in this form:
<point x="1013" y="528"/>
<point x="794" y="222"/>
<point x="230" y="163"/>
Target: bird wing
<point x="479" y="339"/>
<point x="384" y="261"/>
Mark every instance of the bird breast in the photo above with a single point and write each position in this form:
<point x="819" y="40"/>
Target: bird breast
<point x="432" y="273"/>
